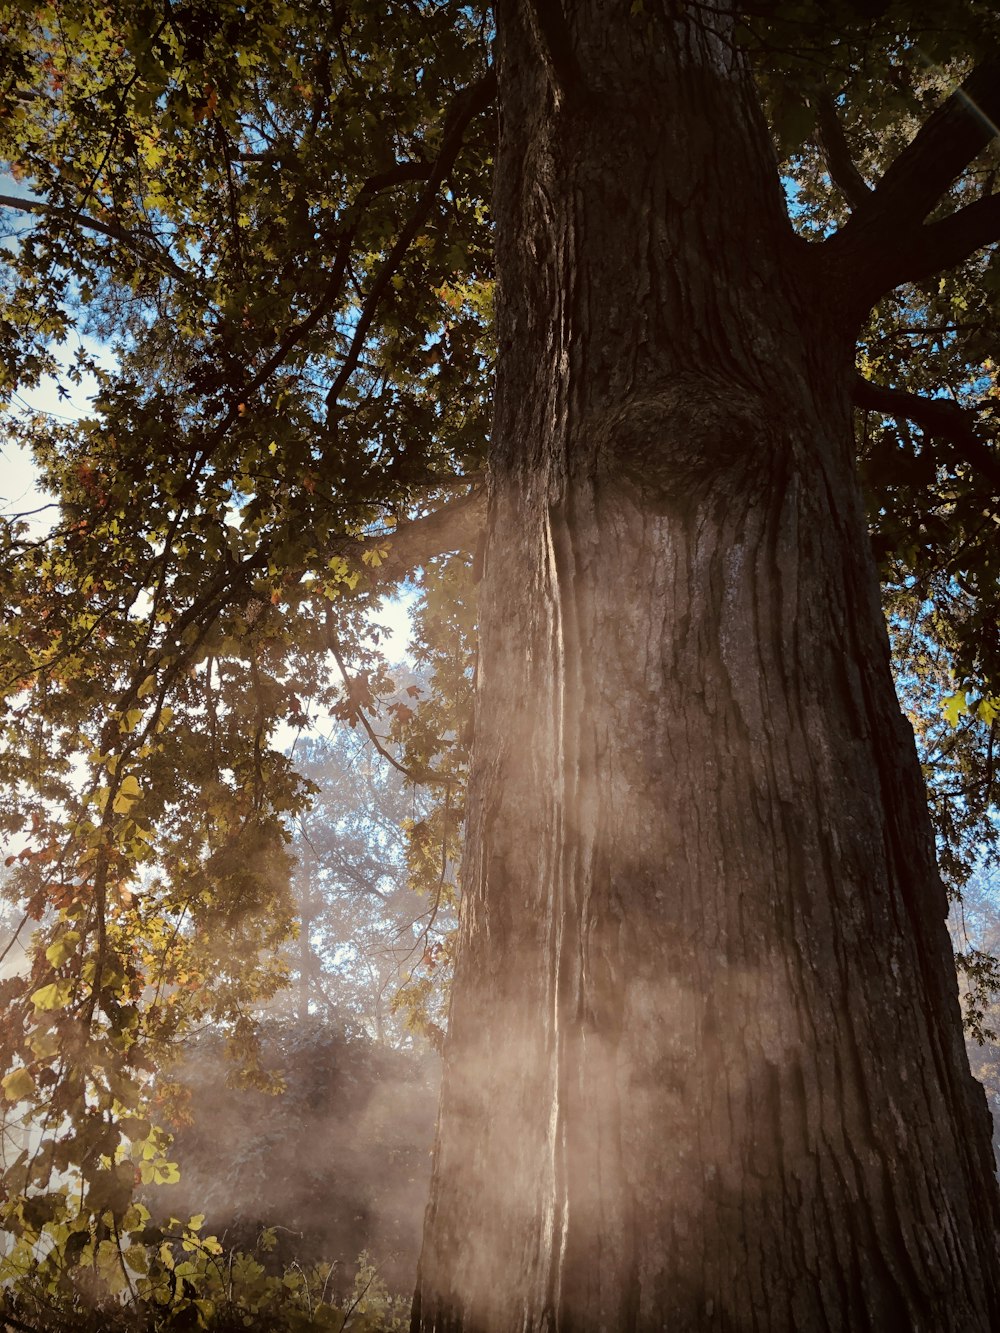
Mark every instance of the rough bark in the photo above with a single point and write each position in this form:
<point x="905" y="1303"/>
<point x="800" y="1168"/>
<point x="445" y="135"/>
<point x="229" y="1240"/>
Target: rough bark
<point x="705" y="1067"/>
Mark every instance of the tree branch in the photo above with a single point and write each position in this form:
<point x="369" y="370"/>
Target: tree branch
<point x="146" y="246"/>
<point x="836" y="150"/>
<point x="942" y="245"/>
<point x="456" y="526"/>
<point x="865" y="252"/>
<point x="468" y="104"/>
<point x="358" y="710"/>
<point x="11" y="1321"/>
<point x="938" y="154"/>
<point x="937" y="417"/>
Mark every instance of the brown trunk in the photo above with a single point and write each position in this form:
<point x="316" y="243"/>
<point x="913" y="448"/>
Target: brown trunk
<point x="705" y="1065"/>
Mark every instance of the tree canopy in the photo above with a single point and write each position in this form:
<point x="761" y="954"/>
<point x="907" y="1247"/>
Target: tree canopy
<point x="277" y="218"/>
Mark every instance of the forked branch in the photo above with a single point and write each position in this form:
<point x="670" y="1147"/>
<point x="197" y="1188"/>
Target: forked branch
<point x="885" y="241"/>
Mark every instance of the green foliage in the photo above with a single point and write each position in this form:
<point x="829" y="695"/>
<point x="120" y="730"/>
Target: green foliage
<point x="137" y="1277"/>
<point x="247" y="201"/>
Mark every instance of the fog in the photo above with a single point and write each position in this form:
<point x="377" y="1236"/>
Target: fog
<point x="337" y="1164"/>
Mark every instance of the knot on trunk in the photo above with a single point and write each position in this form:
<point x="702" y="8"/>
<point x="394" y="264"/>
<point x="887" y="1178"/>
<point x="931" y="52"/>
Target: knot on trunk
<point x="672" y="439"/>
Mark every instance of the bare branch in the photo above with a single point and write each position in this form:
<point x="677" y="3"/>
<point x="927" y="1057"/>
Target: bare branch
<point x="938" y="417"/>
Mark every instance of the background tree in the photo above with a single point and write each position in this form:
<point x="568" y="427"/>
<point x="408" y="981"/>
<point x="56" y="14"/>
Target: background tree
<point x="695" y="816"/>
<point x="370" y="839"/>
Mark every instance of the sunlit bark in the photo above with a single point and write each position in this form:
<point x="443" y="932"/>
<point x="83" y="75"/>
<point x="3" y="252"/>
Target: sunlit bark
<point x="705" y="1065"/>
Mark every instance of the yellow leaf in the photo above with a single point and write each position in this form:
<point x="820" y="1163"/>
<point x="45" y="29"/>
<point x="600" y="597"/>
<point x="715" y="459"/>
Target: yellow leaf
<point x="128" y="793"/>
<point x="44" y="1044"/>
<point x="61" y="949"/>
<point x="954" y="706"/>
<point x="375" y="556"/>
<point x="52" y="996"/>
<point x="17" y="1085"/>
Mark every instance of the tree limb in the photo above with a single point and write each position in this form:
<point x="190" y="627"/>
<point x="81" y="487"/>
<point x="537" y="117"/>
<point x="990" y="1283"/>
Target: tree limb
<point x="938" y="154"/>
<point x="938" y="417"/>
<point x="942" y="245"/>
<point x="865" y="252"/>
<point x="465" y="106"/>
<point x="456" y="526"/>
<point x="841" y="165"/>
<point x="468" y="104"/>
<point x="146" y="246"/>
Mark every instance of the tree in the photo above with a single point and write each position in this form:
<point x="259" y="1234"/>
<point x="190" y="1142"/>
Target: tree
<point x="705" y="1064"/>
<point x="691" y="976"/>
<point x="368" y="945"/>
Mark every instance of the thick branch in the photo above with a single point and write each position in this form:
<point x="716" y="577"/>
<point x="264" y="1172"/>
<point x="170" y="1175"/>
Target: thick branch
<point x="866" y="252"/>
<point x="938" y="417"/>
<point x="146" y="246"/>
<point x="836" y="150"/>
<point x="456" y="526"/>
<point x="938" y="154"/>
<point x="941" y="245"/>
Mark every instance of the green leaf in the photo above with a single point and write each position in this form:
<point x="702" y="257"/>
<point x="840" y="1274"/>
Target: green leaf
<point x="61" y="948"/>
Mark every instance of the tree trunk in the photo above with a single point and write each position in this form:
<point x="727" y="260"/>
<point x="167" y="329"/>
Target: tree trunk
<point x="705" y="1066"/>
